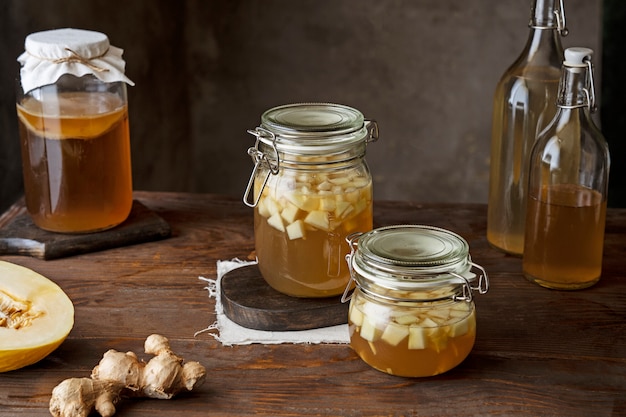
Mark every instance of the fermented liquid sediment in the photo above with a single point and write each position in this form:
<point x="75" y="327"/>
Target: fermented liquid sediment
<point x="524" y="105"/>
<point x="301" y="223"/>
<point x="562" y="214"/>
<point x="76" y="161"/>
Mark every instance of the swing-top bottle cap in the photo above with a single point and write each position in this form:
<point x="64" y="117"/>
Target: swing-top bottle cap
<point x="576" y="56"/>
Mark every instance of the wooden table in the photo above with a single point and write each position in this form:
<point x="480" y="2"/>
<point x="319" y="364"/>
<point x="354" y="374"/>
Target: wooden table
<point x="538" y="352"/>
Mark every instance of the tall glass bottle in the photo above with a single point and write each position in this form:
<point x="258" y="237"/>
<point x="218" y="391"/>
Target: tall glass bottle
<point x="524" y="103"/>
<point x="568" y="185"/>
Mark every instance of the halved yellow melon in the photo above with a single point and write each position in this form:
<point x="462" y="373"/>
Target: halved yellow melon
<point x="35" y="316"/>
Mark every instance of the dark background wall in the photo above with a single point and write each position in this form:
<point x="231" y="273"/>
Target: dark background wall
<point x="614" y="94"/>
<point x="206" y="70"/>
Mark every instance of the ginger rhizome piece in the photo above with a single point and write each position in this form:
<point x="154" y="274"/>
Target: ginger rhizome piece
<point x="80" y="396"/>
<point x="123" y="375"/>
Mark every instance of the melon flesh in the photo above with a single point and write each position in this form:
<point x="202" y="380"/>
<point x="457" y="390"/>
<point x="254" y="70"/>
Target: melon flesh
<point x="35" y="316"/>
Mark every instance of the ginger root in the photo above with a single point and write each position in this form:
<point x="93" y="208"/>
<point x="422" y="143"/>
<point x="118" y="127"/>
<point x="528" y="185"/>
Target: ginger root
<point x="123" y="375"/>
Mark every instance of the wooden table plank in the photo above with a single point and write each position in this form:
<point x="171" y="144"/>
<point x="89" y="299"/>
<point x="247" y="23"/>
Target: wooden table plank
<point x="538" y="352"/>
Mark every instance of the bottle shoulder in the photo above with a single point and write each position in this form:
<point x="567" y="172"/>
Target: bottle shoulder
<point x="543" y="50"/>
<point x="531" y="73"/>
<point x="570" y="125"/>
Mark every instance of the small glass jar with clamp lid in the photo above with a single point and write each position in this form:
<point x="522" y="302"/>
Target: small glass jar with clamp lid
<point x="412" y="312"/>
<point x="310" y="188"/>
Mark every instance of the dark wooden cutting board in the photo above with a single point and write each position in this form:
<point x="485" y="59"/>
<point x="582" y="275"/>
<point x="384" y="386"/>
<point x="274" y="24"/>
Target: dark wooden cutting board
<point x="250" y="302"/>
<point x="20" y="236"/>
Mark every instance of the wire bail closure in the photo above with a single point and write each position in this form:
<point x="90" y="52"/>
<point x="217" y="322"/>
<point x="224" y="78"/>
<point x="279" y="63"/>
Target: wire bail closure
<point x="352" y="240"/>
<point x="590" y="92"/>
<point x="372" y="130"/>
<point x="260" y="159"/>
<point x="272" y="162"/>
<point x="560" y="19"/>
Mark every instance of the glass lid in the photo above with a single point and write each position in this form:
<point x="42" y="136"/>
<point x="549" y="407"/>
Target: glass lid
<point x="411" y="246"/>
<point x="305" y="118"/>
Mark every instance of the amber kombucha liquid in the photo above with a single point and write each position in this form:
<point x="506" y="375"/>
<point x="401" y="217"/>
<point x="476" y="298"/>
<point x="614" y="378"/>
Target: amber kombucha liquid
<point x="443" y="342"/>
<point x="301" y="225"/>
<point x="76" y="161"/>
<point x="524" y="105"/>
<point x="311" y="267"/>
<point x="565" y="237"/>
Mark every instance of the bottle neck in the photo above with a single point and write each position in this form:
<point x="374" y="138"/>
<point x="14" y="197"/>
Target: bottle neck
<point x="544" y="47"/>
<point x="575" y="88"/>
<point x="548" y="14"/>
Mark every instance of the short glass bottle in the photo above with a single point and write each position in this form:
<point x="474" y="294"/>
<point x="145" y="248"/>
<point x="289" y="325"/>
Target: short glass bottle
<point x="73" y="122"/>
<point x="412" y="312"/>
<point x="569" y="172"/>
<point x="523" y="105"/>
<point x="310" y="187"/>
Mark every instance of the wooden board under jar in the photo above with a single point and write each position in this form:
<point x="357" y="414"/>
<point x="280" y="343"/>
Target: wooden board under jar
<point x="250" y="302"/>
<point x="20" y="236"/>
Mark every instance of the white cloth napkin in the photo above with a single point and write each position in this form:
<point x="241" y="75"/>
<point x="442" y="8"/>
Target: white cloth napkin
<point x="52" y="53"/>
<point x="230" y="333"/>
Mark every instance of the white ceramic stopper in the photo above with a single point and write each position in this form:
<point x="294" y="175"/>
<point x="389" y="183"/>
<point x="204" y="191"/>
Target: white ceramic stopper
<point x="575" y="56"/>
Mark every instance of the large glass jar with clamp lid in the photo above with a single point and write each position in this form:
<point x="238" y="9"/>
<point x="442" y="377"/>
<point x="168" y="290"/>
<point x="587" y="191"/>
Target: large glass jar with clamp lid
<point x="412" y="312"/>
<point x="310" y="188"/>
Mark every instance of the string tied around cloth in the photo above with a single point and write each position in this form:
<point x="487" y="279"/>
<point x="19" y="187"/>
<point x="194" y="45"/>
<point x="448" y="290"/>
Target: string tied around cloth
<point x="76" y="57"/>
